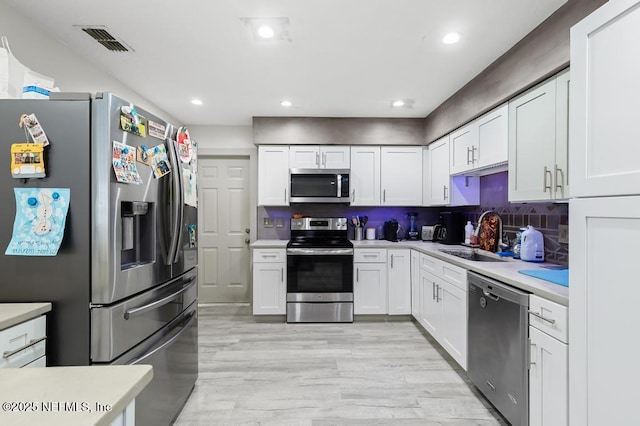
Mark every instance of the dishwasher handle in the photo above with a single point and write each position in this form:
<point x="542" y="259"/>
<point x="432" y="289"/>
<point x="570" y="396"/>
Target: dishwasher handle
<point x="491" y="296"/>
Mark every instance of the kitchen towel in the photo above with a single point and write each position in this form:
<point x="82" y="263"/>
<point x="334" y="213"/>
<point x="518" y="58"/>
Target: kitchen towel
<point x="558" y="276"/>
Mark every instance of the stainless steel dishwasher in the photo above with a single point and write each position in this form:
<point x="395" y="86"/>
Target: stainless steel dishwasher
<point x="497" y="345"/>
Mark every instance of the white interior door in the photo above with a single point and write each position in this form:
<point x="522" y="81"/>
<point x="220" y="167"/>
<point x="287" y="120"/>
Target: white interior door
<point x="224" y="230"/>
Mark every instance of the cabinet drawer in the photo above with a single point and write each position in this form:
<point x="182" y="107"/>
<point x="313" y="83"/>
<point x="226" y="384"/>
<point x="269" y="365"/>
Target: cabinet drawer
<point x="455" y="275"/>
<point x="269" y="255"/>
<point x="430" y="264"/>
<point x="548" y="317"/>
<point x="370" y="255"/>
<point x="23" y="336"/>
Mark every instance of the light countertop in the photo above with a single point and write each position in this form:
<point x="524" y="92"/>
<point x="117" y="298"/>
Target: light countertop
<point x="505" y="271"/>
<point x="90" y="388"/>
<point x="15" y="313"/>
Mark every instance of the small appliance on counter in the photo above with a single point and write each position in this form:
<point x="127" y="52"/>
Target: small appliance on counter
<point x="430" y="232"/>
<point x="412" y="233"/>
<point x="532" y="245"/>
<point x="391" y="230"/>
<point x="451" y="229"/>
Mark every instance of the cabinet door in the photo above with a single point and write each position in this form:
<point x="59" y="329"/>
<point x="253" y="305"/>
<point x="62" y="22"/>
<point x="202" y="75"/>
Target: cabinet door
<point x="439" y="172"/>
<point x="401" y="176"/>
<point x="365" y="176"/>
<point x="431" y="309"/>
<point x="453" y="329"/>
<point x="370" y="288"/>
<point x="304" y="157"/>
<point x="269" y="288"/>
<point x="273" y="175"/>
<point x="532" y="135"/>
<point x="548" y="380"/>
<point x="399" y="281"/>
<point x="493" y="138"/>
<point x="561" y="166"/>
<point x="462" y="146"/>
<point x="335" y="157"/>
<point x="415" y="284"/>
<point x="603" y="360"/>
<point x="605" y="65"/>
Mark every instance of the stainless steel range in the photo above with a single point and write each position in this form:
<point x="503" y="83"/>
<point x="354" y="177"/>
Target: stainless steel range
<point x="319" y="271"/>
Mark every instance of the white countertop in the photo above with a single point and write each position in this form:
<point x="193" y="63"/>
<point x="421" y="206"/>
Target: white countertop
<point x="15" y="313"/>
<point x="505" y="271"/>
<point x="115" y="385"/>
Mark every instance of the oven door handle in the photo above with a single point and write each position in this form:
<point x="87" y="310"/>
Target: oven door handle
<point x="319" y="251"/>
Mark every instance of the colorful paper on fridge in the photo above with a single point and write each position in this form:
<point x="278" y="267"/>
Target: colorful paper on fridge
<point x="124" y="163"/>
<point x="41" y="215"/>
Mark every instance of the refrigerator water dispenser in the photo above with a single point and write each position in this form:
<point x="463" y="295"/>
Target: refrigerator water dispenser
<point x="137" y="234"/>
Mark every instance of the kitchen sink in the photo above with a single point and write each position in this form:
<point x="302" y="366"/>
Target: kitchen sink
<point x="470" y="255"/>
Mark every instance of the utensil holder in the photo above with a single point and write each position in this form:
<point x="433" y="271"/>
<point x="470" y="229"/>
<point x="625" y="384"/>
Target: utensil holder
<point x="358" y="233"/>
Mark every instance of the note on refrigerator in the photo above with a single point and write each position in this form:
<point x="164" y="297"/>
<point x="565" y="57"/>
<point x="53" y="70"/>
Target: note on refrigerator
<point x="41" y="215"/>
<point x="190" y="188"/>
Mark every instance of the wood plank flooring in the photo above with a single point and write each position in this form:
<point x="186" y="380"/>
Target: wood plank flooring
<point x="365" y="373"/>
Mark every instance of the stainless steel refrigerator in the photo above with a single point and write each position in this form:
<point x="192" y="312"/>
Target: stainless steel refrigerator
<point x="124" y="282"/>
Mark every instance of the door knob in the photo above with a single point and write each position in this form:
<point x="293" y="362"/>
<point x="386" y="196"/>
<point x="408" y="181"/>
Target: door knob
<point x="247" y="241"/>
<point x="247" y="230"/>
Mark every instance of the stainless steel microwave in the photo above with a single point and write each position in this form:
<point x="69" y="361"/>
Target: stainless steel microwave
<point x="319" y="186"/>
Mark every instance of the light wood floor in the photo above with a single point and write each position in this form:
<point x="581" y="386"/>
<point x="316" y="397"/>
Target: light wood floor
<point x="365" y="373"/>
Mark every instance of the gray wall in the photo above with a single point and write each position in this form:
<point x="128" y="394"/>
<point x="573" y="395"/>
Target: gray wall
<point x="540" y="54"/>
<point x="338" y="131"/>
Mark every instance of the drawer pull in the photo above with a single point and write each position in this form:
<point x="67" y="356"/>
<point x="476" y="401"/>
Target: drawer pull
<point x="32" y="342"/>
<point x="537" y="315"/>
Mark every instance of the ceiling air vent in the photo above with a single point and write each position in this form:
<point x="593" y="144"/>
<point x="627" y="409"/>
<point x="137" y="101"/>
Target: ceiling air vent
<point x="102" y="36"/>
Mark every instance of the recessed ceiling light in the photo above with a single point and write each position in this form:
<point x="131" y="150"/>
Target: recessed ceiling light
<point x="286" y="103"/>
<point x="397" y="104"/>
<point x="451" y="38"/>
<point x="265" y="31"/>
<point x="196" y="101"/>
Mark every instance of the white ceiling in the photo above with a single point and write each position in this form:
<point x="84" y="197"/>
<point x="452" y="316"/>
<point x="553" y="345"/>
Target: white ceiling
<point x="345" y="58"/>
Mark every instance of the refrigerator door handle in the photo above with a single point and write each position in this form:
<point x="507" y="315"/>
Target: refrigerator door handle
<point x="177" y="204"/>
<point x="187" y="323"/>
<point x="139" y="310"/>
<point x="180" y="193"/>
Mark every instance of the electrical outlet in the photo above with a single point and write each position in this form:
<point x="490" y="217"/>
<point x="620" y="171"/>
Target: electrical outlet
<point x="563" y="234"/>
<point x="279" y="222"/>
<point x="267" y="222"/>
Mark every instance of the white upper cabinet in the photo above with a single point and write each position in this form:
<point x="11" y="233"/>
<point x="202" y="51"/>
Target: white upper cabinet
<point x="319" y="157"/>
<point x="605" y="68"/>
<point x="493" y="138"/>
<point x="481" y="144"/>
<point x="537" y="131"/>
<point x="463" y="144"/>
<point x="401" y="175"/>
<point x="273" y="175"/>
<point x="438" y="173"/>
<point x="365" y="176"/>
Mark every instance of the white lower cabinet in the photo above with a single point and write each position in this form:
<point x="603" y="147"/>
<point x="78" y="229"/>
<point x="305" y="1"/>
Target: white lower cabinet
<point x="24" y="343"/>
<point x="370" y="282"/>
<point x="443" y="305"/>
<point x="269" y="282"/>
<point x="549" y="363"/>
<point x="399" y="281"/>
<point x="415" y="284"/>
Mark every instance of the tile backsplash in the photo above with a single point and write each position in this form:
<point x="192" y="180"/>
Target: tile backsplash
<point x="545" y="217"/>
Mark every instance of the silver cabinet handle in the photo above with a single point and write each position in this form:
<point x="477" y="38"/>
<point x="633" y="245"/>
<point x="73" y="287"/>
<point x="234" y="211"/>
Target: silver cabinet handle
<point x="324" y="159"/>
<point x="433" y="291"/>
<point x="544" y="180"/>
<point x="317" y="159"/>
<point x="285" y="195"/>
<point x="559" y="182"/>
<point x="281" y="275"/>
<point x="7" y="354"/>
<point x="384" y="195"/>
<point x="353" y="195"/>
<point x="391" y="261"/>
<point x="473" y="154"/>
<point x="531" y="346"/>
<point x="468" y="160"/>
<point x="438" y="298"/>
<point x="537" y="315"/>
<point x="446" y="197"/>
<point x="358" y="275"/>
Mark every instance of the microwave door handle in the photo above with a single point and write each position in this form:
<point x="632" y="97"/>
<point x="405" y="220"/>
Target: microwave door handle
<point x="339" y="185"/>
